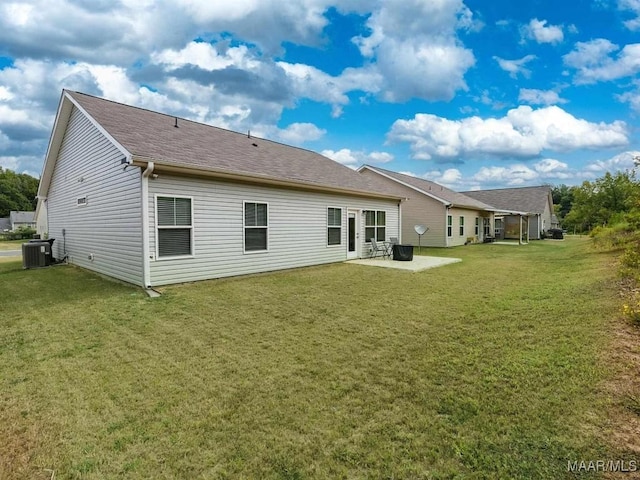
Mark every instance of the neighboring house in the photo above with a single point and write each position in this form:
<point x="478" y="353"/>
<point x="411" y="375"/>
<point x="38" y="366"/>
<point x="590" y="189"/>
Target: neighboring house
<point x="555" y="223"/>
<point x="453" y="218"/>
<point x="152" y="199"/>
<point x="536" y="203"/>
<point x="5" y="224"/>
<point x="20" y="219"/>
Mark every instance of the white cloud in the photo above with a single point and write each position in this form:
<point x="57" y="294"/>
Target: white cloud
<point x="540" y="97"/>
<point x="449" y="177"/>
<point x="205" y="56"/>
<point x="353" y="158"/>
<point x="522" y="132"/>
<point x="513" y="175"/>
<point x="538" y="31"/>
<point x="315" y="84"/>
<point x="622" y="161"/>
<point x="298" y="133"/>
<point x="550" y="165"/>
<point x="380" y="157"/>
<point x="632" y="6"/>
<point x="515" y="67"/>
<point x="632" y="98"/>
<point x="121" y="32"/>
<point x="545" y="171"/>
<point x="594" y="63"/>
<point x="10" y="163"/>
<point x="416" y="50"/>
<point x="519" y="174"/>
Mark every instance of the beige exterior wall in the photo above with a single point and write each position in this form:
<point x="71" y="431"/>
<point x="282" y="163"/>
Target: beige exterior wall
<point x="546" y="215"/>
<point x="419" y="209"/>
<point x="468" y="232"/>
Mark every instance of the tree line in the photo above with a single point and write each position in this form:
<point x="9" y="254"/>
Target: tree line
<point x="17" y="192"/>
<point x="609" y="200"/>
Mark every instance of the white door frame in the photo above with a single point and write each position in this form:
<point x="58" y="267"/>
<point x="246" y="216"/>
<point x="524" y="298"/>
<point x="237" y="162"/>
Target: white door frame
<point x="355" y="253"/>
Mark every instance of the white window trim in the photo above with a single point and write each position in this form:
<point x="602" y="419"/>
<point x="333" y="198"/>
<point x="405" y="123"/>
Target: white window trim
<point x="244" y="227"/>
<point x="157" y="227"/>
<point x="333" y="226"/>
<point x="85" y="203"/>
<point x="477" y="227"/>
<point x="461" y="225"/>
<point x="375" y="225"/>
<point x="449" y="226"/>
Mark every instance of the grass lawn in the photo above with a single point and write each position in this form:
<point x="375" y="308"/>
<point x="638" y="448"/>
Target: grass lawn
<point x="489" y="368"/>
<point x="11" y="244"/>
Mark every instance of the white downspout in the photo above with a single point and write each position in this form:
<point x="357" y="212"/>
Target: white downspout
<point x="146" y="265"/>
<point x="400" y="222"/>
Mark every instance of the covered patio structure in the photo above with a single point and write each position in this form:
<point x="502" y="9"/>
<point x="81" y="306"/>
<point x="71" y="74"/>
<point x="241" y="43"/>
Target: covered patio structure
<point x="509" y="224"/>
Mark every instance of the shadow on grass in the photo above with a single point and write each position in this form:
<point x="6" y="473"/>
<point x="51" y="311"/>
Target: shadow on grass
<point x="58" y="284"/>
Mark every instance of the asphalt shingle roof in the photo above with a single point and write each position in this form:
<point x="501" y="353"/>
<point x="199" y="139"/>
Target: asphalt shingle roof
<point x="432" y="188"/>
<point x="154" y="136"/>
<point x="522" y="199"/>
<point x="22" y="217"/>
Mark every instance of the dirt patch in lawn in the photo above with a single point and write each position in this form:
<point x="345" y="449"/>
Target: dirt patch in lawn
<point x="624" y="388"/>
<point x="19" y="441"/>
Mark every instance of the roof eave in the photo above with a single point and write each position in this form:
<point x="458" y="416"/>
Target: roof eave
<point x="173" y="168"/>
<point x="55" y="142"/>
<point x="65" y="107"/>
<point x="382" y="174"/>
<point x="473" y="207"/>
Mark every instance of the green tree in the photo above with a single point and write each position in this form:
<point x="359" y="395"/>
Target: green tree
<point x="607" y="198"/>
<point x="562" y="200"/>
<point x="17" y="192"/>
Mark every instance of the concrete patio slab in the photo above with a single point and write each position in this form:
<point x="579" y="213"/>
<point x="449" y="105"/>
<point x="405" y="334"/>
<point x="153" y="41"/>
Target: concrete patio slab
<point x="418" y="263"/>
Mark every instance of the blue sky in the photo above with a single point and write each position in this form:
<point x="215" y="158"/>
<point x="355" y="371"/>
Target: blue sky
<point x="473" y="94"/>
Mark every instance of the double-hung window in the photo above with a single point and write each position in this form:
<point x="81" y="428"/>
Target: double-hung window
<point x="461" y="226"/>
<point x="174" y="222"/>
<point x="375" y="225"/>
<point x="449" y="226"/>
<point x="477" y="226"/>
<point x="334" y="226"/>
<point x="256" y="227"/>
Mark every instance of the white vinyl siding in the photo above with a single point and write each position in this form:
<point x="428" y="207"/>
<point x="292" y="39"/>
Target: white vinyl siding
<point x="334" y="226"/>
<point x="297" y="222"/>
<point x="104" y="234"/>
<point x="174" y="226"/>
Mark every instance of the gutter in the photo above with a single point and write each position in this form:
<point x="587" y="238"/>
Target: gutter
<point x="146" y="266"/>
<point x="198" y="171"/>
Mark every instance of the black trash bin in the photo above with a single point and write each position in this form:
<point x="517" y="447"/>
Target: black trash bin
<point x="403" y="253"/>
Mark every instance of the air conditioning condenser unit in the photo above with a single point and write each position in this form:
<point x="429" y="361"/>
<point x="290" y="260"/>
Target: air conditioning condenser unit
<point x="36" y="254"/>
